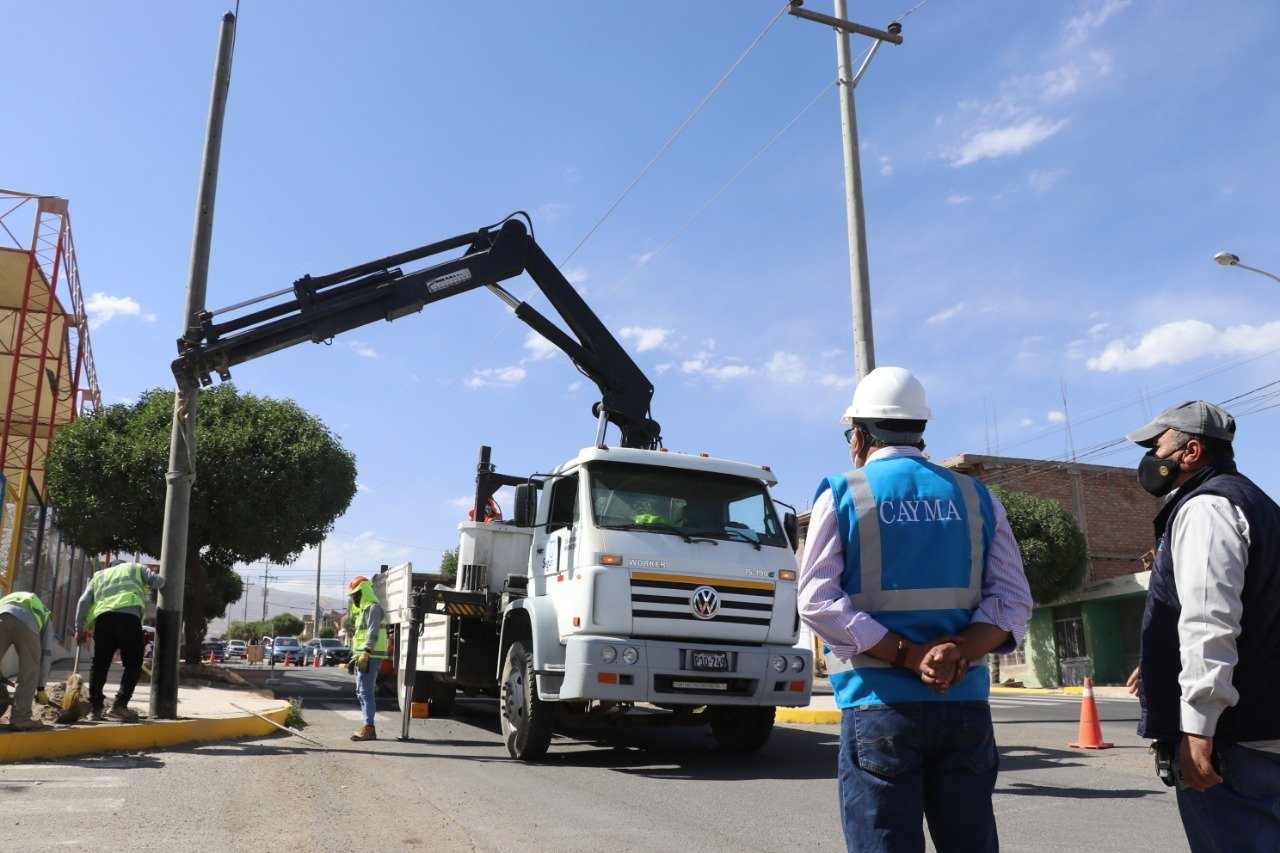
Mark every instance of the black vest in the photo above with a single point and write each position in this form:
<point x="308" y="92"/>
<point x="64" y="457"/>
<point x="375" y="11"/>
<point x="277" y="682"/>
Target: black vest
<point x="1256" y="715"/>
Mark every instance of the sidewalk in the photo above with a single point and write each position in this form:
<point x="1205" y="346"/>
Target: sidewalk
<point x="822" y="709"/>
<point x="205" y="713"/>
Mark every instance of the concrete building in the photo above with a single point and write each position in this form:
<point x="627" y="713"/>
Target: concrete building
<point x="1092" y="631"/>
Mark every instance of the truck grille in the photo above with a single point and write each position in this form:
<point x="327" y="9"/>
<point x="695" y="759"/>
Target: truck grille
<point x="670" y="597"/>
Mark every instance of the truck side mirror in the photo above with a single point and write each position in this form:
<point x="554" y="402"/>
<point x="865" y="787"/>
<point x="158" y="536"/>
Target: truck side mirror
<point x="526" y="509"/>
<point x="792" y="528"/>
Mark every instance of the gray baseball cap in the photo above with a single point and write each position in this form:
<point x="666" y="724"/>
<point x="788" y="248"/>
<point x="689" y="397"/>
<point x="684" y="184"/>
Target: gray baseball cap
<point x="1194" y="417"/>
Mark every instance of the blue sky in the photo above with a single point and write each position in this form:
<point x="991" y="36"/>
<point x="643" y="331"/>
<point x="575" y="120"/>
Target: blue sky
<point x="1045" y="185"/>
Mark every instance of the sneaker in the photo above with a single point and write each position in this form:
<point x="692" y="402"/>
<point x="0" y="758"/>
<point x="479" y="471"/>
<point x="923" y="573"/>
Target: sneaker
<point x="365" y="733"/>
<point x="97" y="715"/>
<point x="123" y="714"/>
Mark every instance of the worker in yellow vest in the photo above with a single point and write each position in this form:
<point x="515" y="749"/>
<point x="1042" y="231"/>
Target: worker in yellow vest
<point x="112" y="607"/>
<point x="26" y="627"/>
<point x="369" y="643"/>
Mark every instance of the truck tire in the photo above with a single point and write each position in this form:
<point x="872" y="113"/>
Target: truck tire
<point x="526" y="719"/>
<point x="741" y="729"/>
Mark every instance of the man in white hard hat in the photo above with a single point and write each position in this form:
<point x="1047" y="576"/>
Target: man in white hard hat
<point x="911" y="575"/>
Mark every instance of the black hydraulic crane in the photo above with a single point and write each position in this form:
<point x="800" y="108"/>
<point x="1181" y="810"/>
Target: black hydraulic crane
<point x="325" y="306"/>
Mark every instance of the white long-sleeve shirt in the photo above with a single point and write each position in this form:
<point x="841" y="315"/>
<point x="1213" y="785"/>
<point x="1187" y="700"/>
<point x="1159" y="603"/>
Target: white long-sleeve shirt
<point x="1209" y="543"/>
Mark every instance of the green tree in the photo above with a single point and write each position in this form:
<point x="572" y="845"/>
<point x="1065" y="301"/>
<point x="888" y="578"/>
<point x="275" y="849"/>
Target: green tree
<point x="270" y="481"/>
<point x="286" y="625"/>
<point x="327" y="633"/>
<point x="1054" y="551"/>
<point x="449" y="564"/>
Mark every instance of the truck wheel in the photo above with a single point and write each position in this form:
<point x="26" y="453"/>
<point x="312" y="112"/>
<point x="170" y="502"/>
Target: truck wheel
<point x="443" y="694"/>
<point x="526" y="719"/>
<point x="739" y="729"/>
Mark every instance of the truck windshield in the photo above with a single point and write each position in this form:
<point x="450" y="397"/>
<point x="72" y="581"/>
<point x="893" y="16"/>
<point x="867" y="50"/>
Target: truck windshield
<point x="685" y="503"/>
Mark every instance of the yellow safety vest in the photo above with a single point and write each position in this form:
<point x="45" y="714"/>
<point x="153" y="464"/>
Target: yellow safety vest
<point x="117" y="588"/>
<point x="29" y="600"/>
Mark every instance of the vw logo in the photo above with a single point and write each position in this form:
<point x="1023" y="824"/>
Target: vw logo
<point x="705" y="602"/>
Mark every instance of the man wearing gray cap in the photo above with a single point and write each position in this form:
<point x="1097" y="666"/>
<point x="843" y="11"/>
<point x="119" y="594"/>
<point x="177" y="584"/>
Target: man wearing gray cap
<point x="1209" y="683"/>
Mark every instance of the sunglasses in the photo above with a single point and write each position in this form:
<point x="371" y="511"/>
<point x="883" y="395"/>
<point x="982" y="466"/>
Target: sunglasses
<point x="848" y="435"/>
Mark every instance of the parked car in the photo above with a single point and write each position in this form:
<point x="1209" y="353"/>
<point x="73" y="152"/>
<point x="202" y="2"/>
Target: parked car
<point x="235" y="649"/>
<point x="334" y="653"/>
<point x="282" y="647"/>
<point x="215" y="648"/>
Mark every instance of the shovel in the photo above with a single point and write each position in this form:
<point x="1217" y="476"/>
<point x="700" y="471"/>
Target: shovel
<point x="75" y="683"/>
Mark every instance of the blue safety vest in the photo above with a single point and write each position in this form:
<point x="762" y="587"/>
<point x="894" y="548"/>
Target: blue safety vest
<point x="915" y="538"/>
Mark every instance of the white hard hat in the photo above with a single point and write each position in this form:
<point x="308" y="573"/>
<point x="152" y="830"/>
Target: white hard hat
<point x="888" y="393"/>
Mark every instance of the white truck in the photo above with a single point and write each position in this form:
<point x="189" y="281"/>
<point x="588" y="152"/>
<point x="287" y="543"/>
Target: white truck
<point x="640" y="578"/>
<point x="633" y="584"/>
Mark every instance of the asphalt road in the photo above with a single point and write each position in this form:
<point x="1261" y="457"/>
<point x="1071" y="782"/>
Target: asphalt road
<point x="452" y="787"/>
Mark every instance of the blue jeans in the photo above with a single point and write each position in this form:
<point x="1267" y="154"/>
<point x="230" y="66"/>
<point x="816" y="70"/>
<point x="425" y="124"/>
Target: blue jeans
<point x="903" y="764"/>
<point x="365" y="688"/>
<point x="1243" y="812"/>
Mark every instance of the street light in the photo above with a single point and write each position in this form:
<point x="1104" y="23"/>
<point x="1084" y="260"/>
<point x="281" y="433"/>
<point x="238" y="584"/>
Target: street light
<point x="1229" y="260"/>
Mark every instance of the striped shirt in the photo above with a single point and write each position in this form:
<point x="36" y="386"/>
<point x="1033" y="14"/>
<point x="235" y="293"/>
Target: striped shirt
<point x="825" y="606"/>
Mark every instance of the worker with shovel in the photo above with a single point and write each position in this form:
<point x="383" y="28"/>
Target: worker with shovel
<point x="112" y="607"/>
<point x="25" y="625"/>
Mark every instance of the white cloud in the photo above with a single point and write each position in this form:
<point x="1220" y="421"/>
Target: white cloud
<point x="1102" y="62"/>
<point x="577" y="275"/>
<point x="363" y="350"/>
<point x="575" y="385"/>
<point x="361" y="487"/>
<point x="1057" y="417"/>
<point x="946" y="313"/>
<point x="504" y="377"/>
<point x="955" y="199"/>
<point x="886" y="167"/>
<point x="1099" y="12"/>
<point x="1044" y="181"/>
<point x="646" y="338"/>
<point x="103" y="308"/>
<point x="1025" y="422"/>
<point x="1004" y="141"/>
<point x="1182" y="341"/>
<point x="786" y="367"/>
<point x="644" y="257"/>
<point x="461" y="502"/>
<point x="700" y="365"/>
<point x="1059" y="82"/>
<point x="539" y="347"/>
<point x="549" y="212"/>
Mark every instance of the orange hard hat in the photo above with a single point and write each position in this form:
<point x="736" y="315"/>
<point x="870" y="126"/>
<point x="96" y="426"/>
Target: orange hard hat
<point x="355" y="583"/>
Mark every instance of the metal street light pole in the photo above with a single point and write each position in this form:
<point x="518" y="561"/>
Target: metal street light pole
<point x="864" y="358"/>
<point x="1229" y="260"/>
<point x="182" y="442"/>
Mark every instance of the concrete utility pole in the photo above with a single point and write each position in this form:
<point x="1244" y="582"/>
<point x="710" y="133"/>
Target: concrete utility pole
<point x="182" y="443"/>
<point x="246" y="601"/>
<point x="315" y="618"/>
<point x="266" y="576"/>
<point x="864" y="351"/>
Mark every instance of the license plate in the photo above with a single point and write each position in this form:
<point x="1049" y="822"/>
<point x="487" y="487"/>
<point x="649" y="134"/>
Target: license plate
<point x="709" y="661"/>
<point x="700" y="685"/>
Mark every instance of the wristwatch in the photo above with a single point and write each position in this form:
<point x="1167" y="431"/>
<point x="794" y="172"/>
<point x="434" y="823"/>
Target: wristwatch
<point x="900" y="659"/>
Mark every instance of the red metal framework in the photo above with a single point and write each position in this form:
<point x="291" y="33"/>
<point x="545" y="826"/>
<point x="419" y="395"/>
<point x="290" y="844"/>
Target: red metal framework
<point x="47" y="374"/>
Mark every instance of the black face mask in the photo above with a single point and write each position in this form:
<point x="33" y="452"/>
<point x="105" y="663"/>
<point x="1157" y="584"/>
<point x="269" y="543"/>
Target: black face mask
<point x="1156" y="475"/>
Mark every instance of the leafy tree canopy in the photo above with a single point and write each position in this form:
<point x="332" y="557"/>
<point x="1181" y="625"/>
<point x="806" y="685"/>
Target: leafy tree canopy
<point x="449" y="564"/>
<point x="1053" y="548"/>
<point x="270" y="481"/>
<point x="286" y="625"/>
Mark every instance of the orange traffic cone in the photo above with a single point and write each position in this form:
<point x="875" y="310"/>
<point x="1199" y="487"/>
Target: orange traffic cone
<point x="286" y="659"/>
<point x="1090" y="730"/>
<point x="315" y="660"/>
<point x="212" y="660"/>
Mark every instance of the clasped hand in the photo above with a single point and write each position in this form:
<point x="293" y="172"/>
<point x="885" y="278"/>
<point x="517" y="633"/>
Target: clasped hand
<point x="944" y="663"/>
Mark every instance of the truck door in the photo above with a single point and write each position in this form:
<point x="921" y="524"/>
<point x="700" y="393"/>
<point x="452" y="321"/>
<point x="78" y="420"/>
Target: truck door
<point x="559" y="558"/>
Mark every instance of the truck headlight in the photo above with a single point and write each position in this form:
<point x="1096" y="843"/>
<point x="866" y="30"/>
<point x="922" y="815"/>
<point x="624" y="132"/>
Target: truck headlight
<point x="779" y="663"/>
<point x="797" y="664"/>
<point x="630" y="655"/>
<point x="608" y="654"/>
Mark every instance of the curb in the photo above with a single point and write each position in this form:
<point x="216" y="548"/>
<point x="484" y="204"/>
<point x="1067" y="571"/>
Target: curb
<point x="59" y="743"/>
<point x="820" y="716"/>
